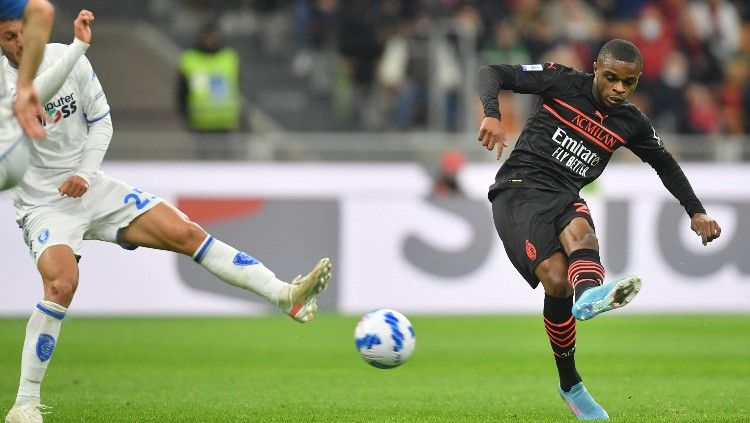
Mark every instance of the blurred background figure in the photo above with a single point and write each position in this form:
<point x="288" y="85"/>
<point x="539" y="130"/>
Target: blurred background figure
<point x="208" y="91"/>
<point x="446" y="181"/>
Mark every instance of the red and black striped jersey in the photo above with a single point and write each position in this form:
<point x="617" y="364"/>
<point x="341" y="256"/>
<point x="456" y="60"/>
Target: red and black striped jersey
<point x="568" y="140"/>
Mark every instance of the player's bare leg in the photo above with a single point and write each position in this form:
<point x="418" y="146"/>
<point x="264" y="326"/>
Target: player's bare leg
<point x="167" y="228"/>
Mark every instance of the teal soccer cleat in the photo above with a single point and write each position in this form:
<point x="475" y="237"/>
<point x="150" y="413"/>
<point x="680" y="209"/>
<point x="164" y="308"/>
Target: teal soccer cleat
<point x="606" y="297"/>
<point x="582" y="404"/>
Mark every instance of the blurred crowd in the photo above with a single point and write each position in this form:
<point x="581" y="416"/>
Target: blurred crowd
<point x="404" y="64"/>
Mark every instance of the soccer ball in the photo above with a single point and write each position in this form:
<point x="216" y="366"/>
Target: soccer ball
<point x="384" y="338"/>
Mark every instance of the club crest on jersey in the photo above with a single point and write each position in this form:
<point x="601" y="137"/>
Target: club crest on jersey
<point x="530" y="250"/>
<point x="531" y="68"/>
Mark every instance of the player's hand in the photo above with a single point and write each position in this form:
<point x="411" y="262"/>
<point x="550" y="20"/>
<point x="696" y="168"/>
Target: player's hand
<point x="707" y="228"/>
<point x="492" y="134"/>
<point x="75" y="186"/>
<point x="82" y="26"/>
<point x="27" y="110"/>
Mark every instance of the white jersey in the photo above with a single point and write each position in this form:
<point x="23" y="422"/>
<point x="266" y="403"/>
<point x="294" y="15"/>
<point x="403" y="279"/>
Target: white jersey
<point x="79" y="103"/>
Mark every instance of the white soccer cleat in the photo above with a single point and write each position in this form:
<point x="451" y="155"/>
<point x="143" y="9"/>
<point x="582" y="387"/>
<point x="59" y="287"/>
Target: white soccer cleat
<point x="302" y="302"/>
<point x="26" y="413"/>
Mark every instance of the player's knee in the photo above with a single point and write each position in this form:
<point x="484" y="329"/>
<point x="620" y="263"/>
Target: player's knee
<point x="187" y="234"/>
<point x="554" y="278"/>
<point x="61" y="290"/>
<point x="558" y="286"/>
<point x="589" y="240"/>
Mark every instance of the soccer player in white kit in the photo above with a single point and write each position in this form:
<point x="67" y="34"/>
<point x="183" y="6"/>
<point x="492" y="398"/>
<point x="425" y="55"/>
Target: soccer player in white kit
<point x="38" y="15"/>
<point x="64" y="199"/>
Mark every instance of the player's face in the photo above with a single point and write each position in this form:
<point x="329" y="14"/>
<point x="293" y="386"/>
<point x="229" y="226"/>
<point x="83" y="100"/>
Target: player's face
<point x="615" y="81"/>
<point x="11" y="41"/>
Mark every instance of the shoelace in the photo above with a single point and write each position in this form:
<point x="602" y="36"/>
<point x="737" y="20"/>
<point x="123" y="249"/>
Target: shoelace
<point x="42" y="408"/>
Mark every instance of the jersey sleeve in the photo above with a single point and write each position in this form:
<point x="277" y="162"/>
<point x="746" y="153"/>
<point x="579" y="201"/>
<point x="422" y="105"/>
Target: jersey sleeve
<point x="96" y="112"/>
<point x="546" y="80"/>
<point x="12" y="9"/>
<point x="646" y="144"/>
<point x="49" y="82"/>
<point x="649" y="148"/>
<point x="93" y="100"/>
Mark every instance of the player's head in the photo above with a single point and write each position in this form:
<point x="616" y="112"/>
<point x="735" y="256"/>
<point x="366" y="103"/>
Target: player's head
<point x="616" y="71"/>
<point x="11" y="40"/>
<point x="209" y="38"/>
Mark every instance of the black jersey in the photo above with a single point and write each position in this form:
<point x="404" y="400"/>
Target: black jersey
<point x="569" y="140"/>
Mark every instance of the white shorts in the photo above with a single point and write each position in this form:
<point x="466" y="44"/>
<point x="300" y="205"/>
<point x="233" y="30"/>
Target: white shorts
<point x="108" y="206"/>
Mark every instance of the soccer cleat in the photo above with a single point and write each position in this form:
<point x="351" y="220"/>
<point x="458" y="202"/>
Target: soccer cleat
<point x="582" y="404"/>
<point x="29" y="412"/>
<point x="606" y="297"/>
<point x="302" y="303"/>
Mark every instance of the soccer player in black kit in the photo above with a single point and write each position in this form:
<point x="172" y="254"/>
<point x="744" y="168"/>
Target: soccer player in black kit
<point x="545" y="227"/>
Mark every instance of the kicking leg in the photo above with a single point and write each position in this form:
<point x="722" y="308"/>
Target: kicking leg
<point x="586" y="273"/>
<point x="561" y="330"/>
<point x="165" y="227"/>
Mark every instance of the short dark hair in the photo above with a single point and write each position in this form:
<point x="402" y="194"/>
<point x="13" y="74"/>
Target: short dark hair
<point x="622" y="50"/>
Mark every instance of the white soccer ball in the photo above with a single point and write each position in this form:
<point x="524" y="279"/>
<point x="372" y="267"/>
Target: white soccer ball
<point x="384" y="338"/>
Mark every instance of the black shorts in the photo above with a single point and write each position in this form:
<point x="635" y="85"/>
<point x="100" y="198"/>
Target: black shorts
<point x="529" y="222"/>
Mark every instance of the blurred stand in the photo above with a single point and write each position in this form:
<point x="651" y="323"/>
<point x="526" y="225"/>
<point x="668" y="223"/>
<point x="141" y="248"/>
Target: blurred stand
<point x="327" y="79"/>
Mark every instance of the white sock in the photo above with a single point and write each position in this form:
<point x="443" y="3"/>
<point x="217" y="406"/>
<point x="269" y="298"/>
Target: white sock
<point x="41" y="336"/>
<point x="240" y="269"/>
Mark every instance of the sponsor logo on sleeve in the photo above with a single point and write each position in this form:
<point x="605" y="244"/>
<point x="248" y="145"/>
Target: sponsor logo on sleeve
<point x="530" y="68"/>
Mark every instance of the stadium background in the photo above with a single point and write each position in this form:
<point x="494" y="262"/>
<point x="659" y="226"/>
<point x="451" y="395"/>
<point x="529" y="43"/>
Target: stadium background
<point x="352" y="105"/>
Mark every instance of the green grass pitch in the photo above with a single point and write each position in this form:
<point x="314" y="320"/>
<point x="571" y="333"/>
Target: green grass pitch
<point x="641" y="368"/>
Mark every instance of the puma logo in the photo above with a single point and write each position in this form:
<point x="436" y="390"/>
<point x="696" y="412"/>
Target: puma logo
<point x="600" y="116"/>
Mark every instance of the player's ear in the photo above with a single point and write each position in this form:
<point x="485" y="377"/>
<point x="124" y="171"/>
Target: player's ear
<point x="594" y="66"/>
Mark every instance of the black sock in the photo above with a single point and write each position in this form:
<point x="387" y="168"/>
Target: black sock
<point x="584" y="270"/>
<point x="561" y="330"/>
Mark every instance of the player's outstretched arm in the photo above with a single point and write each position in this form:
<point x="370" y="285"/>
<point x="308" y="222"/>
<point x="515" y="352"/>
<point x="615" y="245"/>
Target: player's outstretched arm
<point x="706" y="227"/>
<point x="49" y="82"/>
<point x="38" y="17"/>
